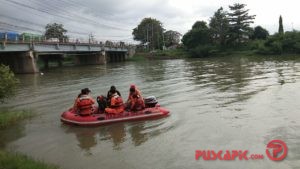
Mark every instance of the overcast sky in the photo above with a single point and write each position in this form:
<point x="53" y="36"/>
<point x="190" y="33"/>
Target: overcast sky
<point x="115" y="19"/>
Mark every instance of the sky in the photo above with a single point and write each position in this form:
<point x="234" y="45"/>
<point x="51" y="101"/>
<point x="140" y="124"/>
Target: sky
<point x="115" y="19"/>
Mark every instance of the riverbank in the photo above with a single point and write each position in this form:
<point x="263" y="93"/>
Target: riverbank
<point x="181" y="53"/>
<point x="11" y="160"/>
<point x="18" y="161"/>
<point x="160" y="55"/>
<point x="9" y="118"/>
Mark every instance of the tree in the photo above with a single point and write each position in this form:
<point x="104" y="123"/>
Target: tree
<point x="260" y="33"/>
<point x="219" y="26"/>
<point x="239" y="22"/>
<point x="280" y="29"/>
<point x="149" y="32"/>
<point x="8" y="83"/>
<point x="172" y="38"/>
<point x="199" y="35"/>
<point x="55" y="31"/>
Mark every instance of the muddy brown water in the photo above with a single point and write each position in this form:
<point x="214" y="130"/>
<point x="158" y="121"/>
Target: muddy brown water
<point x="229" y="103"/>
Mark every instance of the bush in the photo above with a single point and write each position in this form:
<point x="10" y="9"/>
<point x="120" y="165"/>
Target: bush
<point x="8" y="83"/>
<point x="203" y="50"/>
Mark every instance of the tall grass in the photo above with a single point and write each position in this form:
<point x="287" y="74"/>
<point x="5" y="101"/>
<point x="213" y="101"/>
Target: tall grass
<point x="18" y="161"/>
<point x="8" y="118"/>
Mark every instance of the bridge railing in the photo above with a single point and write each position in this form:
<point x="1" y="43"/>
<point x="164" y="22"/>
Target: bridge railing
<point x="16" y="38"/>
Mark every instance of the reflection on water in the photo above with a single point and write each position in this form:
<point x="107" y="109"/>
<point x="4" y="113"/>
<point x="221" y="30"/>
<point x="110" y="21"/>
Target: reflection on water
<point x="215" y="103"/>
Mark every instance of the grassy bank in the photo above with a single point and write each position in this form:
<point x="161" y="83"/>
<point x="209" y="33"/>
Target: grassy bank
<point x="159" y="54"/>
<point x="10" y="160"/>
<point x="17" y="161"/>
<point x="8" y="118"/>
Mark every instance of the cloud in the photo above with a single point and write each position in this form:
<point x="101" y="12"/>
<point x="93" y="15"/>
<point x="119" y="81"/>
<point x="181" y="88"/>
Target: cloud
<point x="115" y="19"/>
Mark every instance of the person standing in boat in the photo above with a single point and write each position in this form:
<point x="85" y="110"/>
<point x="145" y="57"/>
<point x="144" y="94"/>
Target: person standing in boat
<point x="84" y="102"/>
<point x="116" y="105"/>
<point x="111" y="92"/>
<point x="135" y="100"/>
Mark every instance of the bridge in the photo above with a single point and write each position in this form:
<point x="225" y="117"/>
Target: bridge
<point x="22" y="57"/>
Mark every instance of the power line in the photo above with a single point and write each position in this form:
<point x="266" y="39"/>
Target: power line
<point x="47" y="11"/>
<point x="70" y="17"/>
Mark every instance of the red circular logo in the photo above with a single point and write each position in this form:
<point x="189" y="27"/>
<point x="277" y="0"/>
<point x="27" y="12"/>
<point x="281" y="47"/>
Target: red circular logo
<point x="276" y="150"/>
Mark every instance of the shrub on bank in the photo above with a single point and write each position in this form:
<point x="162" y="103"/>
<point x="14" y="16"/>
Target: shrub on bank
<point x="8" y="82"/>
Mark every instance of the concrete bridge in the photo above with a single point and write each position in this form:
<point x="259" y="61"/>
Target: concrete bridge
<point x="23" y="57"/>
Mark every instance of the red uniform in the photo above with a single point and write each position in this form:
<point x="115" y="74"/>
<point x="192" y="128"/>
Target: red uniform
<point x="135" y="100"/>
<point x="116" y="105"/>
<point x="84" y="104"/>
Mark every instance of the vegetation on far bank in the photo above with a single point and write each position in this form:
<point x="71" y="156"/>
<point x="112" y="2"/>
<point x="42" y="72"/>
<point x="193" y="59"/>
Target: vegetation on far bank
<point x="160" y="54"/>
<point x="226" y="33"/>
<point x="18" y="161"/>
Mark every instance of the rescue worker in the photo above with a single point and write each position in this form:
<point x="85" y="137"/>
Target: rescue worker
<point x="135" y="98"/>
<point x="111" y="92"/>
<point x="137" y="103"/>
<point x="116" y="105"/>
<point x="102" y="103"/>
<point x="84" y="102"/>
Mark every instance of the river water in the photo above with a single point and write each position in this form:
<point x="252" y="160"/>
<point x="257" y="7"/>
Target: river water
<point x="229" y="103"/>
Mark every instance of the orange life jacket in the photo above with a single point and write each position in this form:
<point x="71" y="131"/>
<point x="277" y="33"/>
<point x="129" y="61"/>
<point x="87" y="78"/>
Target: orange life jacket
<point x="137" y="104"/>
<point x="116" y="101"/>
<point x="116" y="105"/>
<point x="137" y="92"/>
<point x="85" y="105"/>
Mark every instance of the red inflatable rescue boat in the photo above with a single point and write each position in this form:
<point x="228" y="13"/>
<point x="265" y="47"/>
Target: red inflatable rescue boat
<point x="152" y="111"/>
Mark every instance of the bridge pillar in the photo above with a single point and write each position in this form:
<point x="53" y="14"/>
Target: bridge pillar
<point x="27" y="63"/>
<point x="91" y="59"/>
<point x="116" y="56"/>
<point x="20" y="62"/>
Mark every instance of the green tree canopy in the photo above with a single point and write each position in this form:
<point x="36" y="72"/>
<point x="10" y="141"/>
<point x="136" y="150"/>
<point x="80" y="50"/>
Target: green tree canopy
<point x="171" y="38"/>
<point x="55" y="30"/>
<point x="149" y="32"/>
<point x="219" y="26"/>
<point x="259" y="33"/>
<point x="200" y="25"/>
<point x="280" y="29"/>
<point x="199" y="35"/>
<point x="239" y="21"/>
<point x="8" y="83"/>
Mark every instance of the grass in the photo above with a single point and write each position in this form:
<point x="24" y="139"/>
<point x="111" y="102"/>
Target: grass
<point x="171" y="54"/>
<point x="18" y="161"/>
<point x="10" y="160"/>
<point x="8" y="118"/>
<point x="159" y="54"/>
<point x="138" y="57"/>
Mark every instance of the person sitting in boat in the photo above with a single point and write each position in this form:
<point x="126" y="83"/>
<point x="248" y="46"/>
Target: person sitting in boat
<point x="137" y="103"/>
<point x="116" y="105"/>
<point x="135" y="99"/>
<point x="111" y="92"/>
<point x="84" y="102"/>
<point x="102" y="103"/>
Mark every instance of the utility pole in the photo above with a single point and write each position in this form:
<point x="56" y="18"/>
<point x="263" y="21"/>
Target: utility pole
<point x="152" y="43"/>
<point x="147" y="37"/>
<point x="163" y="36"/>
<point x="91" y="38"/>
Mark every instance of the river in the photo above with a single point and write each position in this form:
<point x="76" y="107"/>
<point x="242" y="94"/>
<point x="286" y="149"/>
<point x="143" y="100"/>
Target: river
<point x="227" y="103"/>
